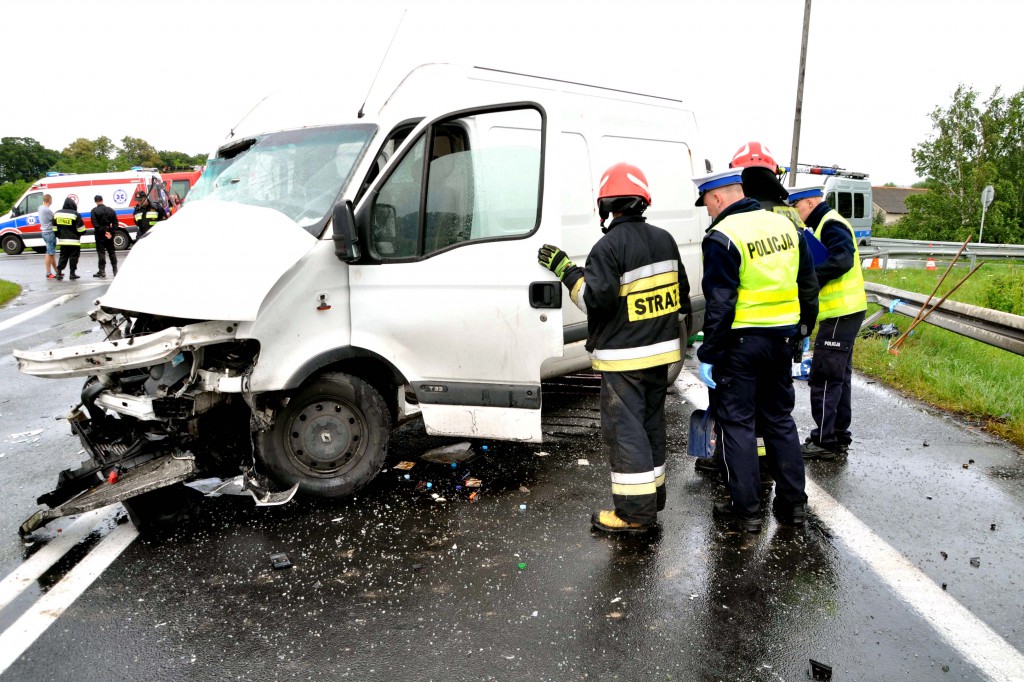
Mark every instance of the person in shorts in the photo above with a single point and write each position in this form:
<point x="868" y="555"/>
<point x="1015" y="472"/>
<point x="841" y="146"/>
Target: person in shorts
<point x="49" y="236"/>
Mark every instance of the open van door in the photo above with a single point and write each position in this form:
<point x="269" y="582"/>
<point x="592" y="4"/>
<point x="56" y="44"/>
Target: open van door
<point x="449" y="289"/>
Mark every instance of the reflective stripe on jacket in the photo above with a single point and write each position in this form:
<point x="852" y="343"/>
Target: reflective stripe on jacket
<point x="69" y="227"/>
<point x="845" y="294"/>
<point x="770" y="259"/>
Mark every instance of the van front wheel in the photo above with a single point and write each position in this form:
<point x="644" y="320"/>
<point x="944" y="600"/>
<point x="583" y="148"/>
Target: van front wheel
<point x="330" y="437"/>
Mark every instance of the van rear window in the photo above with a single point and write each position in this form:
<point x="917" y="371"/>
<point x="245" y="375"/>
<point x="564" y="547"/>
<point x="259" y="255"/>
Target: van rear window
<point x="845" y="204"/>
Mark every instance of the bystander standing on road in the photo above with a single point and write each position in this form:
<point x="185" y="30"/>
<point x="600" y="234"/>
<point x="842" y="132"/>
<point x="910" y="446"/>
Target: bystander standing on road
<point x="761" y="302"/>
<point x="46" y="229"/>
<point x="104" y="220"/>
<point x="842" y="305"/>
<point x="633" y="291"/>
<point x="69" y="226"/>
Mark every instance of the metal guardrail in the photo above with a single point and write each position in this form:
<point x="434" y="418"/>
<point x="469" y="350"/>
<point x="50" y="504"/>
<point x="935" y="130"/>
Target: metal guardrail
<point x="923" y="247"/>
<point x="993" y="327"/>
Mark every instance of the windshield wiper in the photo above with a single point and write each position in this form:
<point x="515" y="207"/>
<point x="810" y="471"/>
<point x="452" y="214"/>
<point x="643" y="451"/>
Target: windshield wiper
<point x="233" y="149"/>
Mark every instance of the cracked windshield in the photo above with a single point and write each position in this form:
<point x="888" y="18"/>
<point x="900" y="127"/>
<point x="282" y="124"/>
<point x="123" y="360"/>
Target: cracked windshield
<point x="299" y="173"/>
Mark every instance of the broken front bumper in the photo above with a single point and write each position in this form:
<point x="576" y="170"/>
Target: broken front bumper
<point x="118" y="355"/>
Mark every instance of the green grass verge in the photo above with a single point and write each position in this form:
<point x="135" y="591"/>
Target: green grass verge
<point x="8" y="290"/>
<point x="945" y="369"/>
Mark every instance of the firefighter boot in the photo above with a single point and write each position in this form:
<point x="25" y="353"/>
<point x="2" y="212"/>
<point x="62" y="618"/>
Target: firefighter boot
<point x="60" y="275"/>
<point x="73" y="275"/>
<point x="99" y="274"/>
<point x="608" y="521"/>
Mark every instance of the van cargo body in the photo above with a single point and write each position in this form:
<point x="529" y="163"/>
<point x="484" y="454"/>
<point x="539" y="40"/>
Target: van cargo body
<point x="359" y="274"/>
<point x="19" y="229"/>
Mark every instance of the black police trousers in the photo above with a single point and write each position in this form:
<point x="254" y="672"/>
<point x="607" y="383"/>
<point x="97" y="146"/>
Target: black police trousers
<point x="68" y="254"/>
<point x="105" y="247"/>
<point x="754" y="395"/>
<point x="831" y="371"/>
<point x="633" y="429"/>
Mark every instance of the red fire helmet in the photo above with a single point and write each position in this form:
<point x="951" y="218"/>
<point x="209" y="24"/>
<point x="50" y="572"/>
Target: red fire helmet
<point x="624" y="180"/>
<point x="754" y="154"/>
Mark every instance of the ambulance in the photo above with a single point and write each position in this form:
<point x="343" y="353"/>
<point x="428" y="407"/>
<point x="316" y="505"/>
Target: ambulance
<point x="19" y="228"/>
<point x="358" y="271"/>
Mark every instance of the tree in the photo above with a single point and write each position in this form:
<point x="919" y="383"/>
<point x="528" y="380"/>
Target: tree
<point x="137" y="152"/>
<point x="11" y="192"/>
<point x="169" y="159"/>
<point x="23" y="158"/>
<point x="88" y="156"/>
<point x="972" y="146"/>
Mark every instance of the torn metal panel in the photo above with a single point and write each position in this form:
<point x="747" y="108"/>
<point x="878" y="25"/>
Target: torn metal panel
<point x="123" y="354"/>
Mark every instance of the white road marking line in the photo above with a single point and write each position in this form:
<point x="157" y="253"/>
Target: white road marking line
<point x="965" y="632"/>
<point x="27" y="629"/>
<point x="38" y="310"/>
<point x="22" y="577"/>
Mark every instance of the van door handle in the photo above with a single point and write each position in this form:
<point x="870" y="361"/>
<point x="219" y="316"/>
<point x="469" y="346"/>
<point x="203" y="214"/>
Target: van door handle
<point x="545" y="294"/>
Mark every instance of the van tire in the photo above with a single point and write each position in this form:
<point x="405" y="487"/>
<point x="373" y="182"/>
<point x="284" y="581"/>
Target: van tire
<point x="12" y="244"/>
<point x="331" y="438"/>
<point x="121" y="240"/>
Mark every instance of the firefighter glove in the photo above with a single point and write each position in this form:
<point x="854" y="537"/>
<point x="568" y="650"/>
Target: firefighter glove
<point x="555" y="260"/>
<point x="705" y="375"/>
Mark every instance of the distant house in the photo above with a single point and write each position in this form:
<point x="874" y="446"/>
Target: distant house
<point x="891" y="201"/>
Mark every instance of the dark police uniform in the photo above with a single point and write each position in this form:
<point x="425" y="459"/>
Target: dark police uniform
<point x="104" y="220"/>
<point x="760" y="290"/>
<point x="146" y="216"/>
<point x="69" y="226"/>
<point x="634" y="291"/>
<point x="841" y="308"/>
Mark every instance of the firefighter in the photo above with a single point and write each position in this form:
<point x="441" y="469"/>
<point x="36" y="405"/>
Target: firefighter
<point x="104" y="220"/>
<point x="69" y="226"/>
<point x="761" y="180"/>
<point x="761" y="298"/>
<point x="841" y="308"/>
<point x="147" y="213"/>
<point x="634" y="292"/>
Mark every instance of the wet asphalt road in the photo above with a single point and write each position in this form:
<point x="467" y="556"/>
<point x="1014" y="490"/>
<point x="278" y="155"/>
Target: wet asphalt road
<point x="393" y="585"/>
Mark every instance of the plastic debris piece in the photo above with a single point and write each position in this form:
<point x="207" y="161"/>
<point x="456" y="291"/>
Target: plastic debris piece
<point x="417" y="567"/>
<point x="429" y="485"/>
<point x="112" y="477"/>
<point x="992" y="527"/>
<point x="522" y="507"/>
<point x="406" y="477"/>
<point x="820" y="671"/>
<point x="422" y="485"/>
<point x="542" y="454"/>
<point x="522" y="565"/>
<point x="484" y="448"/>
<point x="455" y="465"/>
<point x="616" y="600"/>
<point x="524" y="489"/>
<point x="446" y="454"/>
<point x="440" y="499"/>
<point x="966" y="465"/>
<point x="929" y="497"/>
<point x="925" y="444"/>
<point x="945" y="668"/>
<point x="583" y="462"/>
<point x="975" y="561"/>
<point x="943" y="555"/>
<point x="970" y="461"/>
<point x="473" y="496"/>
<point x="473" y="482"/>
<point x="943" y="586"/>
<point x="338" y="519"/>
<point x="405" y="466"/>
<point x="280" y="560"/>
<point x="535" y="614"/>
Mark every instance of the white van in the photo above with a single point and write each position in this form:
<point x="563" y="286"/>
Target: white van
<point x="19" y="228"/>
<point x="359" y="274"/>
<point x="852" y="198"/>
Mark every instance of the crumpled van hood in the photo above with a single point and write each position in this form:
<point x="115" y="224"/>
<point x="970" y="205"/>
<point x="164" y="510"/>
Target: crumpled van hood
<point x="212" y="260"/>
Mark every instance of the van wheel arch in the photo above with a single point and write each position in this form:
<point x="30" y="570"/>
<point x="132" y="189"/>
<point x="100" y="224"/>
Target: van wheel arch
<point x="358" y="362"/>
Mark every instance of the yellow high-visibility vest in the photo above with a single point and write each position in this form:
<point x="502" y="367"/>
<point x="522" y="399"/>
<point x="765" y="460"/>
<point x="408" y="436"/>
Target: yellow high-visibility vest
<point x="769" y="261"/>
<point x="843" y="295"/>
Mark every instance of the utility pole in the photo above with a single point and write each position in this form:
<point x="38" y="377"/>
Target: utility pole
<point x="800" y="94"/>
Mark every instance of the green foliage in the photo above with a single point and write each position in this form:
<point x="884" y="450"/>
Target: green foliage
<point x="10" y="192"/>
<point x="8" y="290"/>
<point x="22" y="158"/>
<point x="87" y="156"/>
<point x="973" y="145"/>
<point x="137" y="152"/>
<point x="1006" y="294"/>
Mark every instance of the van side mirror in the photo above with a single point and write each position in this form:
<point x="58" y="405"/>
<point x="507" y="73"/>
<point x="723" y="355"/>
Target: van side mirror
<point x="15" y="212"/>
<point x="346" y="240"/>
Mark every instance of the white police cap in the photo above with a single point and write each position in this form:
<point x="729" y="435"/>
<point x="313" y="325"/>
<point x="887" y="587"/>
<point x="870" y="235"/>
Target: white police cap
<point x="706" y="183"/>
<point x="798" y="193"/>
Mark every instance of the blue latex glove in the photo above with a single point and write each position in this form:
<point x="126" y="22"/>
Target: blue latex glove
<point x="807" y="343"/>
<point x="705" y="375"/>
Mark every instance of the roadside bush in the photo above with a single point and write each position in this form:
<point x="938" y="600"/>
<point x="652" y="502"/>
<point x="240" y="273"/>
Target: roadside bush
<point x="1006" y="293"/>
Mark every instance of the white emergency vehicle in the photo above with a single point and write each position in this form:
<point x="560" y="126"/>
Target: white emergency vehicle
<point x="848" y="192"/>
<point x="356" y="274"/>
<point x="19" y="228"/>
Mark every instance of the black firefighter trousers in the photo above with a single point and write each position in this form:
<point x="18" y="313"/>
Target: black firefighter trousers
<point x="633" y="429"/>
<point x="68" y="255"/>
<point x="104" y="248"/>
<point x="754" y="395"/>
<point x="831" y="372"/>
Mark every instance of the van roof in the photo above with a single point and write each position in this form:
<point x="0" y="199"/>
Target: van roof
<point x="77" y="180"/>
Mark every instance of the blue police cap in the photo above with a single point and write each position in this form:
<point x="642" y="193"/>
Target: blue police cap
<point x="798" y="193"/>
<point x="706" y="183"/>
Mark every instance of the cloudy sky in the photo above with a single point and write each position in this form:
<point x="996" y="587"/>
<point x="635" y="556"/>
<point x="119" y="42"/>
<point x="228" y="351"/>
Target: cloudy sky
<point x="181" y="79"/>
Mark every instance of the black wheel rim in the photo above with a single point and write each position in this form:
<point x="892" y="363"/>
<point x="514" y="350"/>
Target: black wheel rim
<point x="326" y="437"/>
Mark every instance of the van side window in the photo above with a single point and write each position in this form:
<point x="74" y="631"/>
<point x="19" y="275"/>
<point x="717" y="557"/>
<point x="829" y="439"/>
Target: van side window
<point x="858" y="205"/>
<point x="180" y="187"/>
<point x="845" y="207"/>
<point x="483" y="179"/>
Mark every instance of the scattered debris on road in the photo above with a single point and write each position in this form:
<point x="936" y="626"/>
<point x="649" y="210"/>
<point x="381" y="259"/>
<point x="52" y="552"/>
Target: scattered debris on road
<point x="280" y="561"/>
<point x="820" y="671"/>
<point x="975" y="561"/>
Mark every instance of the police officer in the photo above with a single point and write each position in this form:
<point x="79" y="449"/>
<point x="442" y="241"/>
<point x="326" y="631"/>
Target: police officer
<point x="841" y="308"/>
<point x="69" y="226"/>
<point x="634" y="291"/>
<point x="147" y="213"/>
<point x="104" y="219"/>
<point x="761" y="301"/>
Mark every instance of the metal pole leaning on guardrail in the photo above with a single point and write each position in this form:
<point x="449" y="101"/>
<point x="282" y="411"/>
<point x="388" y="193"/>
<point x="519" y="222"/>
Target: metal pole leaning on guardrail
<point x="894" y="348"/>
<point x="993" y="327"/>
<point x="937" y="285"/>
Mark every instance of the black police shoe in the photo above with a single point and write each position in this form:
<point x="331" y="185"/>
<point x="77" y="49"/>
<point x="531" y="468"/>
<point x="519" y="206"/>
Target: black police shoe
<point x="99" y="274"/>
<point x="723" y="511"/>
<point x="811" y="450"/>
<point x="791" y="515"/>
<point x="707" y="465"/>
